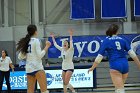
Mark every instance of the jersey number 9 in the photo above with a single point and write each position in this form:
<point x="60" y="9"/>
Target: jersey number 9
<point x="118" y="45"/>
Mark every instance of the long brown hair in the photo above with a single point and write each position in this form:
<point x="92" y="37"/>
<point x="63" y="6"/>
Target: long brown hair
<point x="112" y="30"/>
<point x="22" y="45"/>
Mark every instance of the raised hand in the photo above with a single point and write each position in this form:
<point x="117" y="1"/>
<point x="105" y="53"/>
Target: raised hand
<point x="52" y="34"/>
<point x="71" y="31"/>
<point x="48" y="43"/>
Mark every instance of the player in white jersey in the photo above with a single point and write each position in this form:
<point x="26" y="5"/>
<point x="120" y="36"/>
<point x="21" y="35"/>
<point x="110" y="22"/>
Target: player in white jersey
<point x="67" y="52"/>
<point x="30" y="49"/>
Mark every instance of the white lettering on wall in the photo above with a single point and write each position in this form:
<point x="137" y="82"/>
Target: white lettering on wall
<point x="80" y="48"/>
<point x="90" y="47"/>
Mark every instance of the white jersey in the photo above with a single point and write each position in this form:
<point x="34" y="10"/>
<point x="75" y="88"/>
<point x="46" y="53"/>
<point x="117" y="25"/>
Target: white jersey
<point x="4" y="63"/>
<point x="34" y="56"/>
<point x="67" y="57"/>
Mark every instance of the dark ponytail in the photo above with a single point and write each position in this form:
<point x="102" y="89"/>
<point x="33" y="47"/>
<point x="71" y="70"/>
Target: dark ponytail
<point x="22" y="45"/>
<point x="107" y="33"/>
<point x="112" y="30"/>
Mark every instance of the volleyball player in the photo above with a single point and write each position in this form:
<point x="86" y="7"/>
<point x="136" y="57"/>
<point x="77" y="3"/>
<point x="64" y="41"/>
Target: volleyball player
<point x="67" y="52"/>
<point x="116" y="48"/>
<point x="29" y="48"/>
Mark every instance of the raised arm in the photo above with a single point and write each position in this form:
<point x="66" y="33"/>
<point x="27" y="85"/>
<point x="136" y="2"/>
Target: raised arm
<point x="71" y="40"/>
<point x="48" y="44"/>
<point x="52" y="35"/>
<point x="55" y="44"/>
<point x="40" y="52"/>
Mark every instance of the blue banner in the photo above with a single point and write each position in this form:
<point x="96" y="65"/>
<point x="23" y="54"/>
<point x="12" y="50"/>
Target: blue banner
<point x="113" y="9"/>
<point x="87" y="46"/>
<point x="82" y="9"/>
<point x="136" y="7"/>
<point x="18" y="80"/>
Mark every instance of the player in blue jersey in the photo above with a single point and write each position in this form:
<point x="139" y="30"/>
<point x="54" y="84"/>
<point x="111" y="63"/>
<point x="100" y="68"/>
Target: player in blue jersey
<point x="116" y="48"/>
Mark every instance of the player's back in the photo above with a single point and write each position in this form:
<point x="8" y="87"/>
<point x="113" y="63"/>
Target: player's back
<point x="32" y="50"/>
<point x="116" y="48"/>
<point x="34" y="55"/>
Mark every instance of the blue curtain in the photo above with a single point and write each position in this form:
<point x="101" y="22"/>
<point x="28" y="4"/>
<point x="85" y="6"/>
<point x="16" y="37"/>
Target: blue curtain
<point x="136" y="7"/>
<point x="113" y="8"/>
<point x="82" y="9"/>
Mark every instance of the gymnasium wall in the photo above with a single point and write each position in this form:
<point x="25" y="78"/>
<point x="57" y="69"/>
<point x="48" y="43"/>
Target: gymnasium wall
<point x="53" y="16"/>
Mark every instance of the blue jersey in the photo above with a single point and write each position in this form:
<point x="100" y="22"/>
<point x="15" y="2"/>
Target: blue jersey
<point x="116" y="48"/>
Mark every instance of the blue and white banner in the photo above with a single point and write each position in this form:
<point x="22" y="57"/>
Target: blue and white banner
<point x="80" y="79"/>
<point x="113" y="9"/>
<point x="82" y="9"/>
<point x="84" y="46"/>
<point x="18" y="80"/>
<point x="136" y="7"/>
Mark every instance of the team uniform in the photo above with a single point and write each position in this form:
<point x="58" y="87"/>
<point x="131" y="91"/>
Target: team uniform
<point x="5" y="72"/>
<point x="67" y="57"/>
<point x="116" y="48"/>
<point x="33" y="57"/>
<point x="5" y="63"/>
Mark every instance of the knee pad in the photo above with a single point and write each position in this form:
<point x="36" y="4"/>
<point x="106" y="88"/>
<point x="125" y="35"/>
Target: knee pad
<point x="119" y="91"/>
<point x="64" y="85"/>
<point x="69" y="86"/>
<point x="46" y="91"/>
